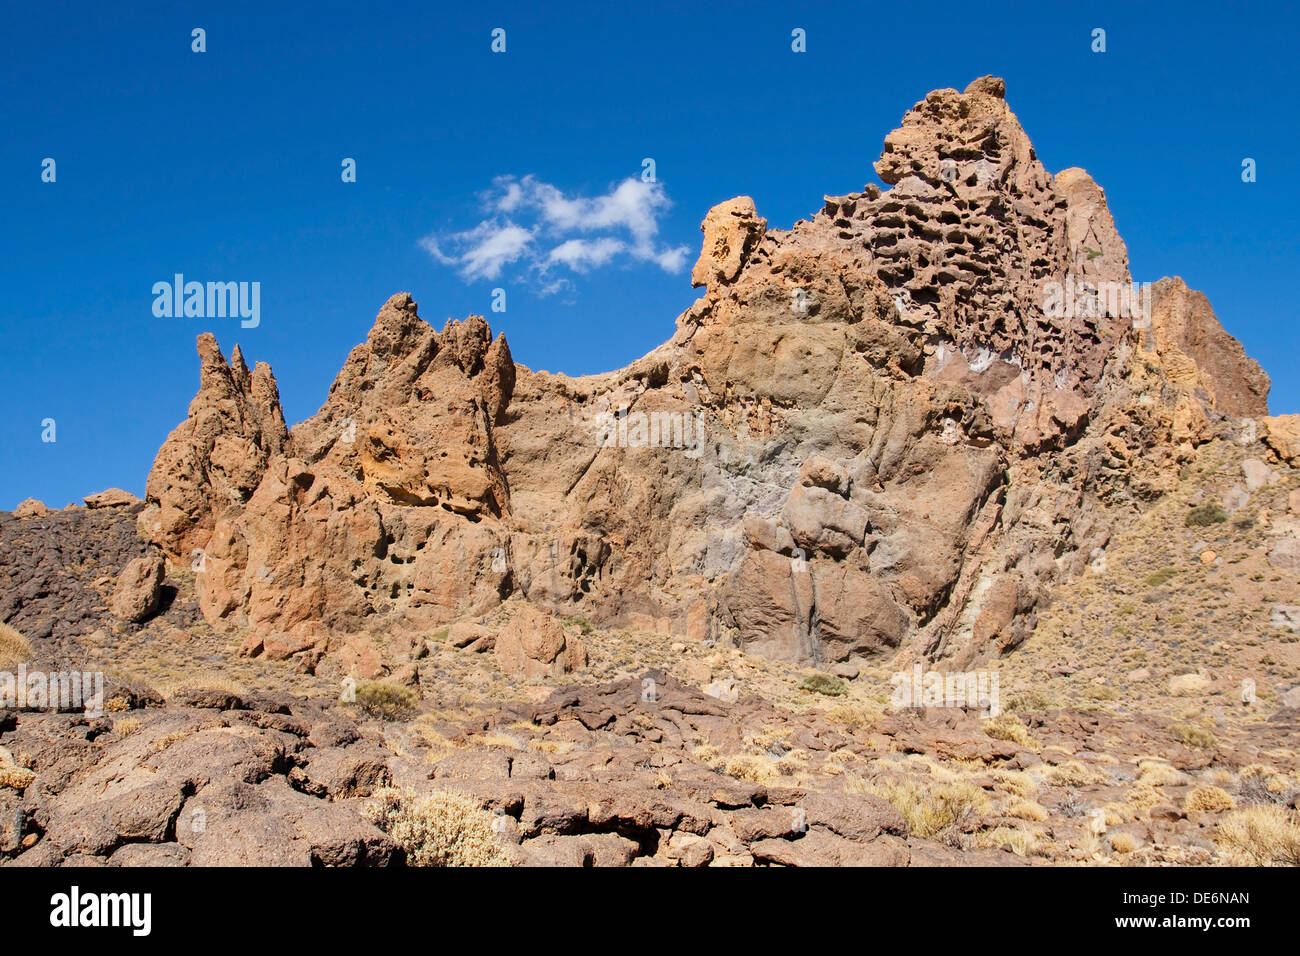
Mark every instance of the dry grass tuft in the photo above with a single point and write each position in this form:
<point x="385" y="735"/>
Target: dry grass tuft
<point x="1261" y="836"/>
<point x="1072" y="773"/>
<point x="930" y="808"/>
<point x="1010" y="727"/>
<point x="1123" y="843"/>
<point x="1157" y="773"/>
<point x="438" y="828"/>
<point x="14" y="648"/>
<point x="386" y="701"/>
<point x="1193" y="736"/>
<point x="1021" y="842"/>
<point x="1027" y="810"/>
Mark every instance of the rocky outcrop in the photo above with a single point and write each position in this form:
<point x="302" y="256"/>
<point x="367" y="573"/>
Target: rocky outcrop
<point x="215" y="459"/>
<point x="139" y="588"/>
<point x="1200" y="355"/>
<point x="894" y="425"/>
<point x="533" y="644"/>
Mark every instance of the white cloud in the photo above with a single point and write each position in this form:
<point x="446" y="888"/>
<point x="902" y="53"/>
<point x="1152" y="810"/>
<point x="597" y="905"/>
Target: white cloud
<point x="559" y="232"/>
<point x="583" y="254"/>
<point x="481" y="252"/>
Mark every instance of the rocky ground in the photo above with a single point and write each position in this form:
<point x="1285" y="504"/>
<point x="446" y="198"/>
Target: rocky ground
<point x="1123" y="740"/>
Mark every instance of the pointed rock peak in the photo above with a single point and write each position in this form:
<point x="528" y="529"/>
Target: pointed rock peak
<point x="732" y="230"/>
<point x="238" y="367"/>
<point x="1096" y="247"/>
<point x="948" y="128"/>
<point x="989" y="86"/>
<point x="398" y="328"/>
<point x="1184" y="327"/>
<point x="209" y="351"/>
<point x="467" y="341"/>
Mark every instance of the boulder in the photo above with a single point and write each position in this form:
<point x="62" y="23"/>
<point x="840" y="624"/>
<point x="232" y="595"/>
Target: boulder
<point x="139" y="589"/>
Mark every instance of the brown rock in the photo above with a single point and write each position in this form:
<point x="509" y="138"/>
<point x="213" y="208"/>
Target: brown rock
<point x="731" y="231"/>
<point x="139" y="589"/>
<point x="31" y="508"/>
<point x="534" y="644"/>
<point x="112" y="498"/>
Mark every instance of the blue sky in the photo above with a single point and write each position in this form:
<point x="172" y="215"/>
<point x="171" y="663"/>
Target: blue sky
<point x="225" y="165"/>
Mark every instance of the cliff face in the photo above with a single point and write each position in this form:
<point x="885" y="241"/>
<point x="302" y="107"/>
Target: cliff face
<point x="892" y="426"/>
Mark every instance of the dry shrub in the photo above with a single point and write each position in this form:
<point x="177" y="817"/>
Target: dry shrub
<point x="386" y="701"/>
<point x="1027" y="810"/>
<point x="1008" y="726"/>
<point x="1265" y="835"/>
<point x="752" y="767"/>
<point x="1144" y="796"/>
<point x="1021" y="842"/>
<point x="1123" y="843"/>
<point x="1193" y="736"/>
<point x="1210" y="798"/>
<point x="1261" y="784"/>
<point x="1015" y="782"/>
<point x="437" y="828"/>
<point x="14" y="648"/>
<point x="855" y="715"/>
<point x="930" y="808"/>
<point x="1156" y="773"/>
<point x="1072" y="773"/>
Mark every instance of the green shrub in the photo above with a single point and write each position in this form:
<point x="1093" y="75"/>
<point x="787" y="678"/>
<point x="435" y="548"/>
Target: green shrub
<point x="1157" y="578"/>
<point x="1206" y="514"/>
<point x="824" y="684"/>
<point x="579" y="622"/>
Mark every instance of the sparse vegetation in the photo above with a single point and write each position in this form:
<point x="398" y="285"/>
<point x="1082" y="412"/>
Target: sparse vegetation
<point x="1010" y="727"/>
<point x="855" y="715"/>
<point x="1209" y="798"/>
<point x="1204" y="515"/>
<point x="581" y="623"/>
<point x="828" y="684"/>
<point x="1031" y="701"/>
<point x="1123" y="843"/>
<point x="1027" y="810"/>
<point x="14" y="648"/>
<point x="1193" y="736"/>
<point x="930" y="807"/>
<point x="1020" y="842"/>
<point x="1261" y="836"/>
<point x="437" y="828"/>
<point x="1072" y="773"/>
<point x="1157" y="578"/>
<point x="1262" y="785"/>
<point x="384" y="700"/>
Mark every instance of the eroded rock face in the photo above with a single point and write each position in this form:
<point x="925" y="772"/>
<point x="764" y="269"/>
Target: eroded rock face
<point x="216" y="458"/>
<point x="1201" y="355"/>
<point x="893" y="425"/>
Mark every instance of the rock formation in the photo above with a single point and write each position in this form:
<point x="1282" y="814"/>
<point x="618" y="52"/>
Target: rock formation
<point x="894" y="425"/>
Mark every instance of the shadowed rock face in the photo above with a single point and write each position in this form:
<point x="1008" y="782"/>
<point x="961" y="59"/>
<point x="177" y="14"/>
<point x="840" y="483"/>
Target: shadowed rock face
<point x="872" y="431"/>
